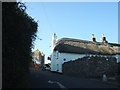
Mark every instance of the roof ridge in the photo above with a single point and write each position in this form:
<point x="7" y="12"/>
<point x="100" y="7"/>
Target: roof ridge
<point x="73" y="39"/>
<point x="78" y="40"/>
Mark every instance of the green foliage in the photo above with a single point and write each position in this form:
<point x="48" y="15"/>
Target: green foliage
<point x="18" y="33"/>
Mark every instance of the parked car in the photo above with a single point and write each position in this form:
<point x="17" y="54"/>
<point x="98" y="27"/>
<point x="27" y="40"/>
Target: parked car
<point x="47" y="67"/>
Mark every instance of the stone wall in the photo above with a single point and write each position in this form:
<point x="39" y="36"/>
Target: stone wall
<point x="91" y="67"/>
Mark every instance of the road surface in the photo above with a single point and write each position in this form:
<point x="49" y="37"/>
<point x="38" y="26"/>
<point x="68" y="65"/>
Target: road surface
<point x="47" y="79"/>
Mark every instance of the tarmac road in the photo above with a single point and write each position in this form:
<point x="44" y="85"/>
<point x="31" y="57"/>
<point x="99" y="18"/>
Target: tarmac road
<point x="47" y="79"/>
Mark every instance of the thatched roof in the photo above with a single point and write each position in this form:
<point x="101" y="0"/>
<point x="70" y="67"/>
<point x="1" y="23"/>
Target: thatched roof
<point x="69" y="45"/>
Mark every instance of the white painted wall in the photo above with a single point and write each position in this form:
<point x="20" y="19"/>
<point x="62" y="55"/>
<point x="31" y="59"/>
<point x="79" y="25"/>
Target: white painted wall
<point x="53" y="61"/>
<point x="58" y="59"/>
<point x="70" y="56"/>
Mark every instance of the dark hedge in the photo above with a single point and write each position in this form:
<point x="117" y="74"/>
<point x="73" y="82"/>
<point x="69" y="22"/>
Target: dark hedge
<point x="18" y="33"/>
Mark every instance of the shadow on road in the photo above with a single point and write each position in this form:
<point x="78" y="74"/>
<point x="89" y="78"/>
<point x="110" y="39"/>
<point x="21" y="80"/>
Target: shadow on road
<point x="45" y="79"/>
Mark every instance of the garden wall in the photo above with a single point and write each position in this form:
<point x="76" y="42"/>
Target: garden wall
<point x="91" y="67"/>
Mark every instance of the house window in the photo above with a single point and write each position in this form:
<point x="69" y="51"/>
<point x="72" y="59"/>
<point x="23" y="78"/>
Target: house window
<point x="64" y="59"/>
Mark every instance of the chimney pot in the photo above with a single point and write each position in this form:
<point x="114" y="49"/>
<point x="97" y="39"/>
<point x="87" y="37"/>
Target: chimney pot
<point x="93" y="38"/>
<point x="104" y="39"/>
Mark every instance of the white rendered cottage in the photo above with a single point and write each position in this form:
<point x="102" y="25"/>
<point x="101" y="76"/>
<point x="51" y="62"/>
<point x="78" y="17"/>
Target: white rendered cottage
<point x="66" y="49"/>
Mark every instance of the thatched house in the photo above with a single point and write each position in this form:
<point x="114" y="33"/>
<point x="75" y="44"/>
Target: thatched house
<point x="66" y="49"/>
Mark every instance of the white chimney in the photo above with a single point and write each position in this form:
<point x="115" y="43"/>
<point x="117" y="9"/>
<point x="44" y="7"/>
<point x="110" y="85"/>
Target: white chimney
<point x="54" y="39"/>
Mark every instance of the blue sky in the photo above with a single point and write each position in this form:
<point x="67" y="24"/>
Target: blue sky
<point x="73" y="20"/>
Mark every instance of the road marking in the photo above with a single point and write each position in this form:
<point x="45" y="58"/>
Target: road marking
<point x="60" y="85"/>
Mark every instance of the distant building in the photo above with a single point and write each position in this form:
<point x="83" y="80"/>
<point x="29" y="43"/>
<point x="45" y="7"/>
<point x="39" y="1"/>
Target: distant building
<point x="38" y="58"/>
<point x="66" y="49"/>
